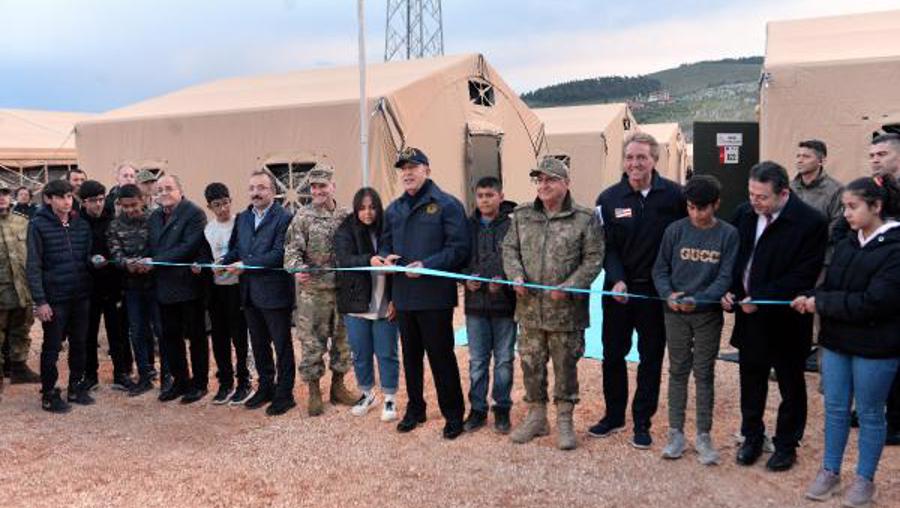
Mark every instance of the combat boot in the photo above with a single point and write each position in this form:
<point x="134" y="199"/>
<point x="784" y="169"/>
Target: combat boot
<point x="565" y="426"/>
<point x="339" y="392"/>
<point x="535" y="425"/>
<point x="315" y="406"/>
<point x="20" y="373"/>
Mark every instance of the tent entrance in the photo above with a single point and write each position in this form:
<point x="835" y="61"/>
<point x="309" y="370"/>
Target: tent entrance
<point x="483" y="158"/>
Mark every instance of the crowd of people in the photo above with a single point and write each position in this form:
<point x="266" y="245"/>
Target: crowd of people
<point x="144" y="258"/>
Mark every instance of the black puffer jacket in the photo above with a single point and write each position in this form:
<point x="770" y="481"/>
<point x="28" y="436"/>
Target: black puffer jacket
<point x="859" y="302"/>
<point x="58" y="258"/>
<point x="353" y="247"/>
<point x="487" y="261"/>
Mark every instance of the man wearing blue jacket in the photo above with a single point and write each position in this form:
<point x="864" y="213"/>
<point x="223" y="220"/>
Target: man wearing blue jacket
<point x="267" y="295"/>
<point x="426" y="228"/>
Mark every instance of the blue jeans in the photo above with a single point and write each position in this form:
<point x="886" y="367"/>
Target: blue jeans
<point x="376" y="337"/>
<point x="487" y="336"/>
<point x="867" y="380"/>
<point x="139" y="305"/>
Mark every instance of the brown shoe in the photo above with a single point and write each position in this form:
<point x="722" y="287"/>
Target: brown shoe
<point x="339" y="392"/>
<point x="315" y="406"/>
<point x="22" y="374"/>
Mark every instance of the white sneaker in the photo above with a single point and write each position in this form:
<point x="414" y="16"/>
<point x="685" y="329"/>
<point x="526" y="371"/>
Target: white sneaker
<point x="389" y="411"/>
<point x="707" y="454"/>
<point x="363" y="405"/>
<point x="675" y="447"/>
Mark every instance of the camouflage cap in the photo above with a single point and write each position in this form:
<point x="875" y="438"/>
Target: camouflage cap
<point x="551" y="166"/>
<point x="321" y="173"/>
<point x="4" y="187"/>
<point x="146" y="176"/>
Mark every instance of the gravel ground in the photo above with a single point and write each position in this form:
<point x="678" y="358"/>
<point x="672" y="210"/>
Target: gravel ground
<point x="139" y="452"/>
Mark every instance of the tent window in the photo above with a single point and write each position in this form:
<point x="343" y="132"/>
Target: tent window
<point x="565" y="159"/>
<point x="293" y="184"/>
<point x="481" y="93"/>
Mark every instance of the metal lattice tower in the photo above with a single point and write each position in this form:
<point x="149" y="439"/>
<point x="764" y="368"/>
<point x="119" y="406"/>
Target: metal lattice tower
<point x="415" y="29"/>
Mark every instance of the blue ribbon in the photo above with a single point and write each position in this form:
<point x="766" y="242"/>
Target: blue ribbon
<point x="456" y="276"/>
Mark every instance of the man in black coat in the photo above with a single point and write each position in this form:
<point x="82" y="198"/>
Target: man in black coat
<point x="782" y="251"/>
<point x="267" y="295"/>
<point x="176" y="236"/>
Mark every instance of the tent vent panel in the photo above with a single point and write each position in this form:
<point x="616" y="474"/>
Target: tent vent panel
<point x="565" y="159"/>
<point x="292" y="179"/>
<point x="481" y="93"/>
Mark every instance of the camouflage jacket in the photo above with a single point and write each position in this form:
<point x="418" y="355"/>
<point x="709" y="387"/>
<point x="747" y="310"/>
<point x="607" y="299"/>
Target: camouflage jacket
<point x="310" y="242"/>
<point x="565" y="250"/>
<point x="127" y="239"/>
<point x="13" y="238"/>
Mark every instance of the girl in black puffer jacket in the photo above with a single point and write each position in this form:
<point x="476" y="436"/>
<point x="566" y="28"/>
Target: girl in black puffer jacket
<point x="859" y="304"/>
<point x="363" y="298"/>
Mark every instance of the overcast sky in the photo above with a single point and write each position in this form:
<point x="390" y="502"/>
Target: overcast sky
<point x="94" y="55"/>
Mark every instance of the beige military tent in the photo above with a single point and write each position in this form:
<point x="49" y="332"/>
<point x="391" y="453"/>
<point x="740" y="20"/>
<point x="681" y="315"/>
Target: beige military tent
<point x="672" y="153"/>
<point x="455" y="108"/>
<point x="589" y="139"/>
<point x="36" y="145"/>
<point x="834" y="79"/>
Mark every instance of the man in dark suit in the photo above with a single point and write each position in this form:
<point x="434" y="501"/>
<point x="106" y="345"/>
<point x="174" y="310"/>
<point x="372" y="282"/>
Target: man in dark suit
<point x="176" y="236"/>
<point x="783" y="243"/>
<point x="267" y="295"/>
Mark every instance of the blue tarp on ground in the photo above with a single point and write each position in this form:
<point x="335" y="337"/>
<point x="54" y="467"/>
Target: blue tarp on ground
<point x="594" y="344"/>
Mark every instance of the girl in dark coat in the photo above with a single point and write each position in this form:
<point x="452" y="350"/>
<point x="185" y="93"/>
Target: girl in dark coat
<point x="364" y="300"/>
<point x="859" y="304"/>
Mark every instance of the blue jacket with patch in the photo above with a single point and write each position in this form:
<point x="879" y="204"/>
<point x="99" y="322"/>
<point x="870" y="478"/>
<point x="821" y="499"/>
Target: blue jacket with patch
<point x="430" y="227"/>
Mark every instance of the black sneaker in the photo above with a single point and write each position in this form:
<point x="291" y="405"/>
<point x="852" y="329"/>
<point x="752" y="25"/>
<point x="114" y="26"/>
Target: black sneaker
<point x="606" y="428"/>
<point x="475" y="421"/>
<point x="241" y="395"/>
<point x="280" y="407"/>
<point x="641" y="439"/>
<point x="501" y="420"/>
<point x="781" y="460"/>
<point x="410" y="422"/>
<point x="141" y="387"/>
<point x="90" y="384"/>
<point x="122" y="383"/>
<point x="193" y="395"/>
<point x="173" y="392"/>
<point x="259" y="399"/>
<point x="53" y="403"/>
<point x="222" y="395"/>
<point x="453" y="430"/>
<point x="80" y="396"/>
<point x="166" y="383"/>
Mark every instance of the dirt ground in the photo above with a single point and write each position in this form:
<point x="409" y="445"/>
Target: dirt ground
<point x="138" y="452"/>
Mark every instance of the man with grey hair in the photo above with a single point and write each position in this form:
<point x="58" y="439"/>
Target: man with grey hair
<point x="635" y="213"/>
<point x="125" y="174"/>
<point x="176" y="236"/>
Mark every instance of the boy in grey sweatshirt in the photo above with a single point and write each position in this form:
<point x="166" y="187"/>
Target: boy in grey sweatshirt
<point x="693" y="271"/>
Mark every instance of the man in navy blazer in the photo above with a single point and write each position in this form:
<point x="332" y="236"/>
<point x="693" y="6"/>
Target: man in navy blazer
<point x="782" y="251"/>
<point x="176" y="236"/>
<point x="266" y="294"/>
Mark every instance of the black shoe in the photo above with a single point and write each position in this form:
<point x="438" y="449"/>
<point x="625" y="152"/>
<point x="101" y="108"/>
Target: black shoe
<point x="280" y="407"/>
<point x="259" y="399"/>
<point x="52" y="402"/>
<point x="854" y="419"/>
<point x="90" y="383"/>
<point x="166" y="384"/>
<point x="454" y="429"/>
<point x="475" y="421"/>
<point x="749" y="452"/>
<point x="501" y="420"/>
<point x="642" y="439"/>
<point x="193" y="395"/>
<point x="122" y="383"/>
<point x="240" y="395"/>
<point x="174" y="392"/>
<point x="410" y="422"/>
<point x="21" y="373"/>
<point x="141" y="387"/>
<point x="606" y="428"/>
<point x="79" y="395"/>
<point x="781" y="460"/>
<point x="154" y="374"/>
<point x="222" y="395"/>
<point x="892" y="438"/>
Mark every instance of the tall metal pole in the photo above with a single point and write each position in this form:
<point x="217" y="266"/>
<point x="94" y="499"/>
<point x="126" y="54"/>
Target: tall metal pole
<point x="363" y="110"/>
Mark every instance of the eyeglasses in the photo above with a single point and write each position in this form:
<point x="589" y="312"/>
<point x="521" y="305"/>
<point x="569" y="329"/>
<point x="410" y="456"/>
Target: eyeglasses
<point x="539" y="180"/>
<point x="219" y="203"/>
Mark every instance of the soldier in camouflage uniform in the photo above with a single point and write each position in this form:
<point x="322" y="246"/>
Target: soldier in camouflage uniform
<point x="309" y="244"/>
<point x="15" y="299"/>
<point x="552" y="241"/>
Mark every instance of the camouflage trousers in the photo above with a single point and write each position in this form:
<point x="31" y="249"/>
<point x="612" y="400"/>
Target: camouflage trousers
<point x="564" y="349"/>
<point x="15" y="325"/>
<point x="317" y="321"/>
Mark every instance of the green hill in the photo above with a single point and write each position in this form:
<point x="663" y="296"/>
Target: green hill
<point x="721" y="90"/>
